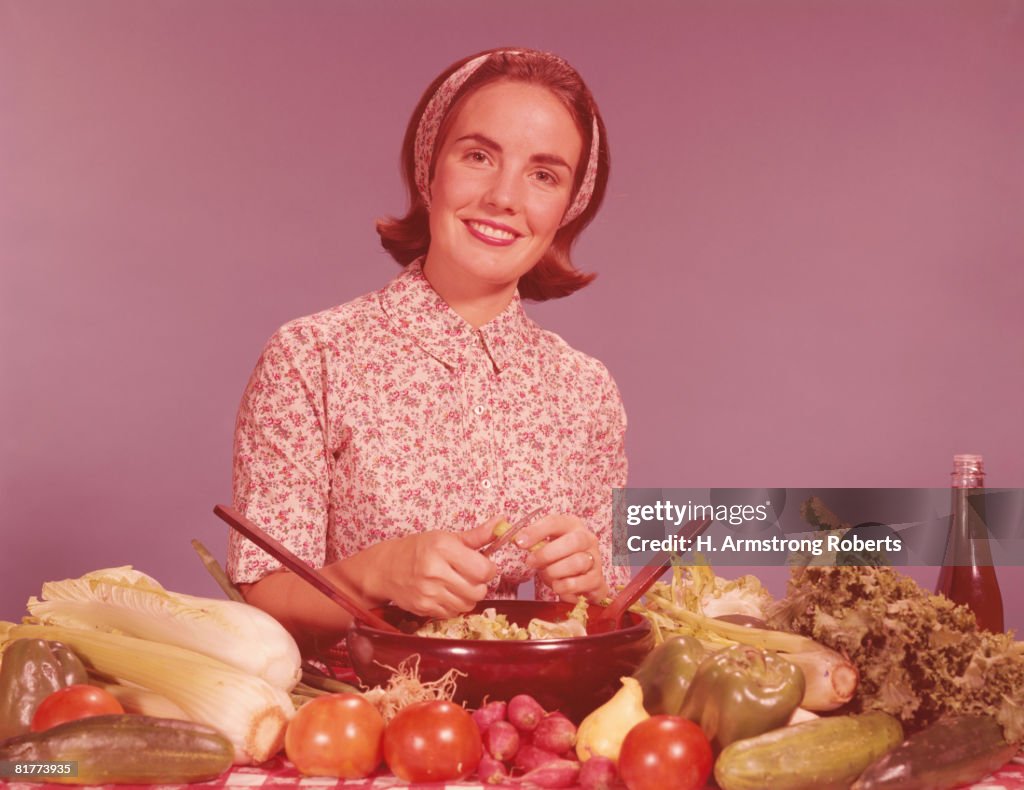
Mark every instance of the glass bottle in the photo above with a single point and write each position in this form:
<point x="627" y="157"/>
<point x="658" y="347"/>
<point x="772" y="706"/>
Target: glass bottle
<point x="967" y="575"/>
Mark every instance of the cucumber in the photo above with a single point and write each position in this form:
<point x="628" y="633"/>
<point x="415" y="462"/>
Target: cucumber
<point x="824" y="754"/>
<point x="954" y="751"/>
<point x="126" y="749"/>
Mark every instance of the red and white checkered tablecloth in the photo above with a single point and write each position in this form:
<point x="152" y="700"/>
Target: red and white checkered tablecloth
<point x="279" y="773"/>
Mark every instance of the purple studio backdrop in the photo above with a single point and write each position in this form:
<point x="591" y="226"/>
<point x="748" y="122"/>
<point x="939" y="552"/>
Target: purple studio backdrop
<point x="809" y="258"/>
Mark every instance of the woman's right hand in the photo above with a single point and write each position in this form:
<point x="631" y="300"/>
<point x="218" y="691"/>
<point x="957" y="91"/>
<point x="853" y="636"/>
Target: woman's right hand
<point x="438" y="574"/>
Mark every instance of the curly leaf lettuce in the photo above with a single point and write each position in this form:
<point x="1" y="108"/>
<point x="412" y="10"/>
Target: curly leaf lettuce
<point x="920" y="656"/>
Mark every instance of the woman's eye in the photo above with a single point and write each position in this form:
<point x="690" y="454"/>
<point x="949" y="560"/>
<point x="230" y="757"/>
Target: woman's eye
<point x="477" y="156"/>
<point x="546" y="177"/>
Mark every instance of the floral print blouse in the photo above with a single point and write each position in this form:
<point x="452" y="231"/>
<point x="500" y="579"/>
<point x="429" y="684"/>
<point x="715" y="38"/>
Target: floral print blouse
<point x="391" y="414"/>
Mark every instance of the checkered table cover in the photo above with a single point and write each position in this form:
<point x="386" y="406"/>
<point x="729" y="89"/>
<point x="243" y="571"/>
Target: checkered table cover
<point x="279" y="773"/>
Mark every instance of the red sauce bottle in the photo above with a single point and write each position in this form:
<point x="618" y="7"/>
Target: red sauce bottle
<point x="967" y="575"/>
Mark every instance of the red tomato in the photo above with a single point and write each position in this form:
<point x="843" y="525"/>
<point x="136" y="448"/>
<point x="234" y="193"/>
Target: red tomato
<point x="335" y="735"/>
<point x="433" y="741"/>
<point x="665" y="753"/>
<point x="73" y="702"/>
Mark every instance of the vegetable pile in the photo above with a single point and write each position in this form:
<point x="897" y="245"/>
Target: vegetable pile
<point x="680" y="607"/>
<point x="912" y="693"/>
<point x="32" y="670"/>
<point x="919" y="655"/>
<point x="222" y="664"/>
<point x="525" y="744"/>
<point x="142" y="685"/>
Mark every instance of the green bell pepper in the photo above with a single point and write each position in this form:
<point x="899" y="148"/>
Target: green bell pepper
<point x="32" y="669"/>
<point x="665" y="674"/>
<point x="741" y="692"/>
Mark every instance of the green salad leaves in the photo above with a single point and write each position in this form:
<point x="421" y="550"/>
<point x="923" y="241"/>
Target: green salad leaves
<point x="919" y="655"/>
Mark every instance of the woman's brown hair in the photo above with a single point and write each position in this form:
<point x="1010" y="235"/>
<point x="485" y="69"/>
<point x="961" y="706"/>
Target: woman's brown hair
<point x="407" y="238"/>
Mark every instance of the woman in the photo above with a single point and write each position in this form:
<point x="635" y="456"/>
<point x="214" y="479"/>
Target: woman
<point x="384" y="439"/>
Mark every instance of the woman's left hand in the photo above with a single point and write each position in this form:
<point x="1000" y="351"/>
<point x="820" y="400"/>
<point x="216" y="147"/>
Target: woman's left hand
<point x="567" y="556"/>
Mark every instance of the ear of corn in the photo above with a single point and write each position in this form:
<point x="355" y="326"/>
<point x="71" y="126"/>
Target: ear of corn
<point x="140" y="701"/>
<point x="250" y="712"/>
<point x="126" y="601"/>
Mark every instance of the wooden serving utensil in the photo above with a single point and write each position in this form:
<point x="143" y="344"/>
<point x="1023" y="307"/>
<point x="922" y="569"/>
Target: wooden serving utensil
<point x="610" y="617"/>
<point x="310" y="575"/>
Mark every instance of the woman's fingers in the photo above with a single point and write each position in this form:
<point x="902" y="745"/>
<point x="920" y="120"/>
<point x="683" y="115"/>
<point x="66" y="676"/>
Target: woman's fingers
<point x="467" y="563"/>
<point x="567" y="556"/>
<point x="437" y="574"/>
<point x="546" y="528"/>
<point x="577" y="563"/>
<point x="568" y="536"/>
<point x="480" y="536"/>
<point x="443" y="604"/>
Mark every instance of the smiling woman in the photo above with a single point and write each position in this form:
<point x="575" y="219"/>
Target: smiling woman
<point x="408" y="238"/>
<point x="385" y="439"/>
<point x="502" y="184"/>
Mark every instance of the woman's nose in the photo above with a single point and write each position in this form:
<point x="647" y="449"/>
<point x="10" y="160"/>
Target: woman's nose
<point x="503" y="193"/>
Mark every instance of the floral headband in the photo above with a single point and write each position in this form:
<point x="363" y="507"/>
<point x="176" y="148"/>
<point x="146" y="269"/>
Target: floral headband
<point x="437" y="108"/>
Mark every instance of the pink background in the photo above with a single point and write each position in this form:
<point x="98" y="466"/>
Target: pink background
<point x="810" y="254"/>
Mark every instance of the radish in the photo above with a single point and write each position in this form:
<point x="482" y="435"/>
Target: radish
<point x="525" y="712"/>
<point x="529" y="758"/>
<point x="554" y="773"/>
<point x="488" y="714"/>
<point x="491" y="771"/>
<point x="598" y="773"/>
<point x="555" y="733"/>
<point x="502" y="740"/>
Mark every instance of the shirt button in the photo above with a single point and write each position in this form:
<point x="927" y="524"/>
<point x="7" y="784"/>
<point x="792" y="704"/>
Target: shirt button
<point x="478" y="409"/>
<point x="485" y="483"/>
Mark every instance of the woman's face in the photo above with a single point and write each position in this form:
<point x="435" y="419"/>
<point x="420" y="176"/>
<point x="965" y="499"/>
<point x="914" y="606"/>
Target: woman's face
<point x="503" y="178"/>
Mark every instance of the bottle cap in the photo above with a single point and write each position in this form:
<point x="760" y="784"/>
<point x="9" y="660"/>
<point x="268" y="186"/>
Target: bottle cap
<point x="968" y="470"/>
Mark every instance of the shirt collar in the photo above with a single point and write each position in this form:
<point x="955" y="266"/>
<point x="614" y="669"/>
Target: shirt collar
<point x="419" y="311"/>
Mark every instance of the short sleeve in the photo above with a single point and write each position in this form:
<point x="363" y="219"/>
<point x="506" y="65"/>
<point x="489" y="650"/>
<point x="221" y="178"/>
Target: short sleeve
<point x="281" y="469"/>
